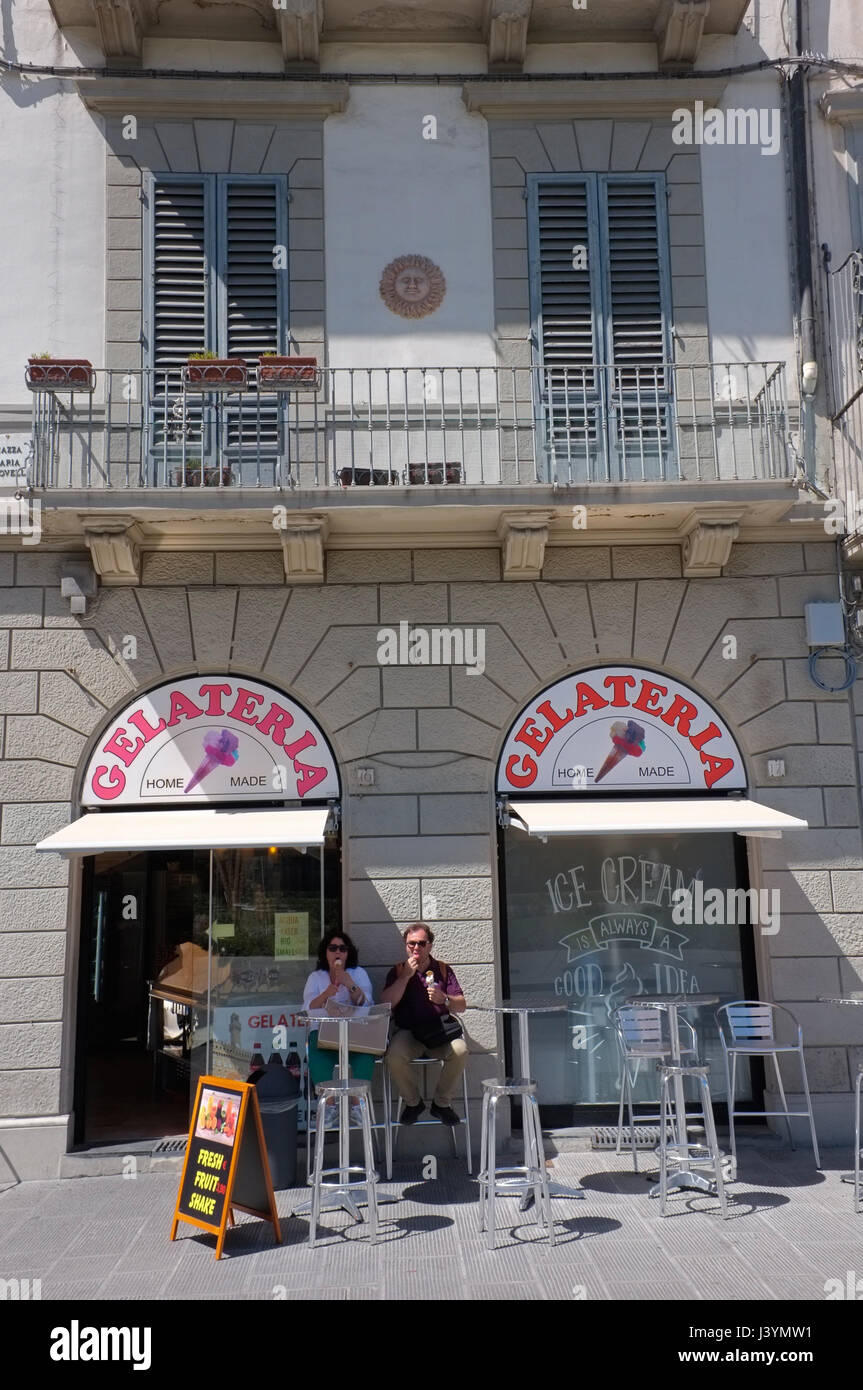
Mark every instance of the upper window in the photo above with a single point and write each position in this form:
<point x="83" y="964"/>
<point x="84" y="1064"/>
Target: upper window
<point x="215" y="282"/>
<point x="217" y="264"/>
<point x="600" y="300"/>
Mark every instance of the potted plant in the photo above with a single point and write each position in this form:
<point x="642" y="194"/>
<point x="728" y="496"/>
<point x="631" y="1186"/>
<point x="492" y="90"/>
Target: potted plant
<point x="196" y="475"/>
<point x="204" y="371"/>
<point x="434" y="472"/>
<point x="362" y="477"/>
<point x="47" y="373"/>
<point x="285" y="373"/>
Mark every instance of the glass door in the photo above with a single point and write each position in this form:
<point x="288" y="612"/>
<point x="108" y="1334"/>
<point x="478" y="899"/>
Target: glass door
<point x="192" y="962"/>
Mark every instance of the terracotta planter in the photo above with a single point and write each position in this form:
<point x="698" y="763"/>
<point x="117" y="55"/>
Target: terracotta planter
<point x="434" y="472"/>
<point x="288" y="373"/>
<point x="362" y="477"/>
<point x="60" y="374"/>
<point x="216" y="374"/>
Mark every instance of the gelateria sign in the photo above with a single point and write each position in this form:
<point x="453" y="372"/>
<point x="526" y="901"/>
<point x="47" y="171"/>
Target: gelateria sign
<point x="211" y="739"/>
<point x="616" y="728"/>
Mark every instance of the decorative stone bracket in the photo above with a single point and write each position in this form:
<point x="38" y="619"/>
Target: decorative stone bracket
<point x="303" y="537"/>
<point x="524" y="536"/>
<point x="506" y="23"/>
<point x="115" y="548"/>
<point x="679" y="29"/>
<point x="122" y="24"/>
<point x="301" y="23"/>
<point x="707" y="543"/>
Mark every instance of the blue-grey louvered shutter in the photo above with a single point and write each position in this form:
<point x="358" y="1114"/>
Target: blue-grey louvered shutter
<point x="639" y="387"/>
<point x="180" y="263"/>
<point x="252" y="291"/>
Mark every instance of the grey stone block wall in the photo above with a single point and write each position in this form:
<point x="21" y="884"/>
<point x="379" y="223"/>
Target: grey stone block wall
<point x="421" y="841"/>
<point x="594" y="146"/>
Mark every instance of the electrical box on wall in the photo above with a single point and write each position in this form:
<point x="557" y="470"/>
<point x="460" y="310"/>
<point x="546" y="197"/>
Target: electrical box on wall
<point x="825" y="625"/>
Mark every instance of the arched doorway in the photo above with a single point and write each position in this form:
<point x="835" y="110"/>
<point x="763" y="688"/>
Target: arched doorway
<point x="211" y="865"/>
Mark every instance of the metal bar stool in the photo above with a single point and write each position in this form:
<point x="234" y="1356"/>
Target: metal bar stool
<point x="339" y="1191"/>
<point x="497" y="1182"/>
<point x="420" y="1124"/>
<point x="689" y="1157"/>
<point x="643" y="1034"/>
<point x="857" y="1091"/>
<point x="747" y="1028"/>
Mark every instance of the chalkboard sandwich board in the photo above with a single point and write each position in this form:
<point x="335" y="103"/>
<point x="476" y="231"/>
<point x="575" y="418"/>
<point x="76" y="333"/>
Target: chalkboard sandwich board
<point x="226" y="1165"/>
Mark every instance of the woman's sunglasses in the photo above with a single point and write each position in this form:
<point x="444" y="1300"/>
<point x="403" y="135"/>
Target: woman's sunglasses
<point x="333" y="947"/>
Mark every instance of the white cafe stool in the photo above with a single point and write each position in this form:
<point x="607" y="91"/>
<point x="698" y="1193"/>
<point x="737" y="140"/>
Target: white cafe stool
<point x="687" y="1158"/>
<point x="336" y="1186"/>
<point x="495" y="1181"/>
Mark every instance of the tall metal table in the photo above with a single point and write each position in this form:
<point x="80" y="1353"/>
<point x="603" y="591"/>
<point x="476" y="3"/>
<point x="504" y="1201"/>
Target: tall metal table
<point x="684" y="1177"/>
<point x="524" y="1010"/>
<point x="337" y="1197"/>
<point x="854" y="999"/>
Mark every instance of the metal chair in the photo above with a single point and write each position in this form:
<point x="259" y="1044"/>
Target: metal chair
<point x="420" y="1124"/>
<point x="643" y="1035"/>
<point x="857" y="1091"/>
<point x="747" y="1028"/>
<point x="687" y="1155"/>
<point x="497" y="1182"/>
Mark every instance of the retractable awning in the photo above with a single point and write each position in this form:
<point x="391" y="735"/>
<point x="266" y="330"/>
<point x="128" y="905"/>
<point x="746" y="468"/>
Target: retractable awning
<point x="633" y="817"/>
<point x="188" y="829"/>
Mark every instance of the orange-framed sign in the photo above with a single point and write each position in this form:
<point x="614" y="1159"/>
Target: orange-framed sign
<point x="226" y="1166"/>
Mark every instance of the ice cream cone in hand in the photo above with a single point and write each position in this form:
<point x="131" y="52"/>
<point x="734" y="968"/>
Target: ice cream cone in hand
<point x="628" y="740"/>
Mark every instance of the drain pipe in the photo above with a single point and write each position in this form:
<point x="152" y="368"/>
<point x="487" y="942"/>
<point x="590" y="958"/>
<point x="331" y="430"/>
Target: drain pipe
<point x="802" y="245"/>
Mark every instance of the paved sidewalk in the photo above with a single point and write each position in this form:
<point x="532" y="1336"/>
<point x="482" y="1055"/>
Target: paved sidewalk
<point x="792" y="1229"/>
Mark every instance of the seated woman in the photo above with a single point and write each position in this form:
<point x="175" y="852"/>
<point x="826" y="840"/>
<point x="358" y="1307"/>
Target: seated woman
<point x="337" y="977"/>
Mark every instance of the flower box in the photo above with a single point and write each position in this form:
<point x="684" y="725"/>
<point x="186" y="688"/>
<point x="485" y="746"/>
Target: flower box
<point x="60" y="374"/>
<point x="434" y="472"/>
<point x="288" y="373"/>
<point x="216" y="374"/>
<point x="362" y="477"/>
<point x="194" y="475"/>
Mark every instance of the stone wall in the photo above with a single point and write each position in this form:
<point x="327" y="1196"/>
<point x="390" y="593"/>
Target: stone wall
<point x="422" y="841"/>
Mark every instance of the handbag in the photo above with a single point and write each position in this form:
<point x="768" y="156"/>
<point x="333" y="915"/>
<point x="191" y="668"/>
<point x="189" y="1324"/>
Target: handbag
<point x="444" y="1030"/>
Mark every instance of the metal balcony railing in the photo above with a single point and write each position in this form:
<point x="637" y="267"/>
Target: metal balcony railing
<point x="385" y="427"/>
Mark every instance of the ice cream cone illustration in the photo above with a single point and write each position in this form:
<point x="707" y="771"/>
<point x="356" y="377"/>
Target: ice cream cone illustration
<point x="222" y="750"/>
<point x="628" y="740"/>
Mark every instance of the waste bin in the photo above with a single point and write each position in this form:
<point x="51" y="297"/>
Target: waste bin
<point x="278" y="1098"/>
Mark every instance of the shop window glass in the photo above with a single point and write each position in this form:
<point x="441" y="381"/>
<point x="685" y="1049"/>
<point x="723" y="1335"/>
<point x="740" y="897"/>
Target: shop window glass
<point x="590" y="922"/>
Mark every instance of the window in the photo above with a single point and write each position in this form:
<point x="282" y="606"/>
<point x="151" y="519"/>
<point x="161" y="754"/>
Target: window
<point x="214" y="287"/>
<point x="600" y="298"/>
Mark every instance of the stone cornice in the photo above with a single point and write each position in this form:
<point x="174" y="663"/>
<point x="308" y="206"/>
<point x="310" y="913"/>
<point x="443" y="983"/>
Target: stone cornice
<point x="845" y="107"/>
<point x="213" y="96"/>
<point x="579" y="99"/>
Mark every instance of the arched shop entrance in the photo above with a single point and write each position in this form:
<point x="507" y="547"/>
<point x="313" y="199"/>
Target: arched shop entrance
<point x="622" y="809"/>
<point x="210" y="866"/>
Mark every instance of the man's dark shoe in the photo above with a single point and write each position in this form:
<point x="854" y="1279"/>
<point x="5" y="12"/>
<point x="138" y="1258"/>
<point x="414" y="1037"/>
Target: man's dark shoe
<point x="445" y="1114"/>
<point x="411" y="1113"/>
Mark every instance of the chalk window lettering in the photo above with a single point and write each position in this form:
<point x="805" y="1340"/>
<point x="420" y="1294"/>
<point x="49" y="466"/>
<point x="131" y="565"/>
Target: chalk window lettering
<point x="596" y="920"/>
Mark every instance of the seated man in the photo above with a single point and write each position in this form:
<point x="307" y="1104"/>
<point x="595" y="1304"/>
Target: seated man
<point x="423" y="992"/>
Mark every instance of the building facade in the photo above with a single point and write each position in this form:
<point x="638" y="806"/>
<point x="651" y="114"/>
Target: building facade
<point x="493" y="606"/>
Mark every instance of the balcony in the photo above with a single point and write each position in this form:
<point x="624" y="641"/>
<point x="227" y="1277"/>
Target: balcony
<point x="405" y="431"/>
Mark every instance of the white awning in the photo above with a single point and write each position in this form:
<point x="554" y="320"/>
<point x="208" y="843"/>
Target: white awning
<point x="212" y="828"/>
<point x="634" y="817"/>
